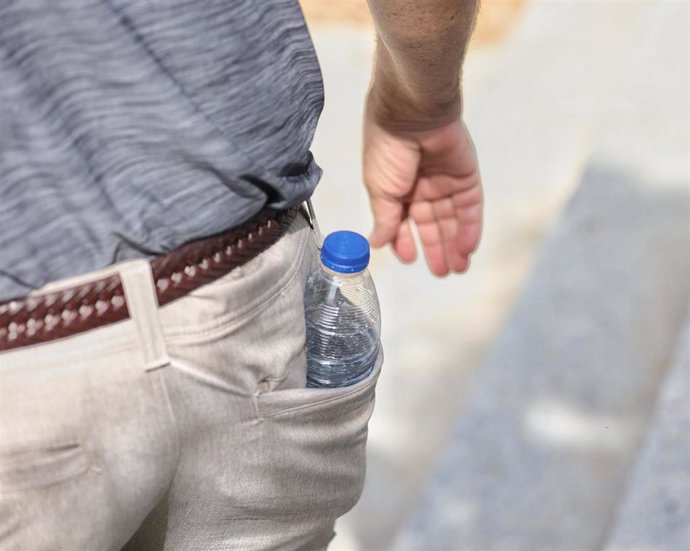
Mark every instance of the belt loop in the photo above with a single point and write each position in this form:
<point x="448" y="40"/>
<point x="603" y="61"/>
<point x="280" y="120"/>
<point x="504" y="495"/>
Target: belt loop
<point x="140" y="294"/>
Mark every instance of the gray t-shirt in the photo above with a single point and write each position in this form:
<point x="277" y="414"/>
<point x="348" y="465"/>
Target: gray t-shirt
<point x="128" y="127"/>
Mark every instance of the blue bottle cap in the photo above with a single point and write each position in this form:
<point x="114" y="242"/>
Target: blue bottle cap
<point x="345" y="252"/>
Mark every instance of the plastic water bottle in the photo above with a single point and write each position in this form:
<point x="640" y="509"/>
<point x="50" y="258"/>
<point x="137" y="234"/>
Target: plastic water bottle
<point x="342" y="312"/>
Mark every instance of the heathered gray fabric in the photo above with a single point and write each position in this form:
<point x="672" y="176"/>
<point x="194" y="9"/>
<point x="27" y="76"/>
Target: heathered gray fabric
<point x="128" y="127"/>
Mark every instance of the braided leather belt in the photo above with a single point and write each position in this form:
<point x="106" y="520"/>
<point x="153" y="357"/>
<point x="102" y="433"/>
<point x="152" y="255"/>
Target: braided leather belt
<point x="54" y="315"/>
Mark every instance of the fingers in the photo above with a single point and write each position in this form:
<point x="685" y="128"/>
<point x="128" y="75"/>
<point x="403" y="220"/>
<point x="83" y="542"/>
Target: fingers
<point x="403" y="244"/>
<point x="448" y="234"/>
<point x="388" y="215"/>
<point x="450" y="228"/>
<point x="391" y="225"/>
<point x="468" y="238"/>
<point x="430" y="235"/>
<point x="468" y="208"/>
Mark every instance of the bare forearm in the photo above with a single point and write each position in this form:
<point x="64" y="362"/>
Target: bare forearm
<point x="420" y="50"/>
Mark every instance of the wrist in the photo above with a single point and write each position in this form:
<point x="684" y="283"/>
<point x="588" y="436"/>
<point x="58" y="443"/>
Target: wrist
<point x="394" y="110"/>
<point x="406" y="102"/>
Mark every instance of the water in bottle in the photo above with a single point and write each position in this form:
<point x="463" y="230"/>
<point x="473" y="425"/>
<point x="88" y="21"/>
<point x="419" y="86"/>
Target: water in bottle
<point x="342" y="312"/>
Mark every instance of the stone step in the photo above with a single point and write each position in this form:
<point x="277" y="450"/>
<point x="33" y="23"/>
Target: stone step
<point x="656" y="509"/>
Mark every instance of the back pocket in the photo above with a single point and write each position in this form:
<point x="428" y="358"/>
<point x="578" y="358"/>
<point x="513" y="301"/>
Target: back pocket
<point x="313" y="443"/>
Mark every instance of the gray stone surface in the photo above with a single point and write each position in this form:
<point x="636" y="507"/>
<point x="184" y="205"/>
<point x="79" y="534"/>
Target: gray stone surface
<point x="540" y="455"/>
<point x="656" y="510"/>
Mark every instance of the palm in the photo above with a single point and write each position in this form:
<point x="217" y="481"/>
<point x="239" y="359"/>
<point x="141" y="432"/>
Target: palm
<point x="432" y="178"/>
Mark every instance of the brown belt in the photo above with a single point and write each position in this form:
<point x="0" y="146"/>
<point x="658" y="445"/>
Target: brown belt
<point x="55" y="315"/>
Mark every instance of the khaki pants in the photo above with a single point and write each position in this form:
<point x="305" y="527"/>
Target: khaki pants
<point x="185" y="427"/>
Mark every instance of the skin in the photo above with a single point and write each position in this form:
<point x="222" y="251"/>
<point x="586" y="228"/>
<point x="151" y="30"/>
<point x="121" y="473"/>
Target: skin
<point x="419" y="161"/>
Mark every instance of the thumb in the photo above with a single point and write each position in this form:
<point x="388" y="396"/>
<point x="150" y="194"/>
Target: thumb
<point x="388" y="214"/>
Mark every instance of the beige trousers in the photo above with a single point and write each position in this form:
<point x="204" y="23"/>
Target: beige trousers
<point x="186" y="427"/>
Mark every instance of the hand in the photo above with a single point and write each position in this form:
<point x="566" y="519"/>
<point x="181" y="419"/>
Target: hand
<point x="430" y="176"/>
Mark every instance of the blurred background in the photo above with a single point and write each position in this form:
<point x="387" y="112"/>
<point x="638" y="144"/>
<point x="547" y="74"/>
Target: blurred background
<point x="542" y="400"/>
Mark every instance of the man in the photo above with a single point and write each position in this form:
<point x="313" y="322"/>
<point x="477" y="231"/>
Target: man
<point x="152" y="367"/>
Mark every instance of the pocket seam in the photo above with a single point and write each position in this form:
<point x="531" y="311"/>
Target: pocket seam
<point x="368" y="385"/>
<point x="81" y="459"/>
<point x="303" y="406"/>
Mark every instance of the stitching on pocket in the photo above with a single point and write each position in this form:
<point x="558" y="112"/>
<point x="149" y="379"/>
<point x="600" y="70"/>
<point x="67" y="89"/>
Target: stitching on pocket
<point x="367" y="386"/>
<point x="315" y="403"/>
<point x="40" y="468"/>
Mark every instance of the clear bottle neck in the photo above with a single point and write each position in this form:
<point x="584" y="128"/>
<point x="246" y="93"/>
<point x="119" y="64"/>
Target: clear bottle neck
<point x="340" y="275"/>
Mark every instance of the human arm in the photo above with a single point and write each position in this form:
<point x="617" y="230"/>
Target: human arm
<point x="419" y="161"/>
